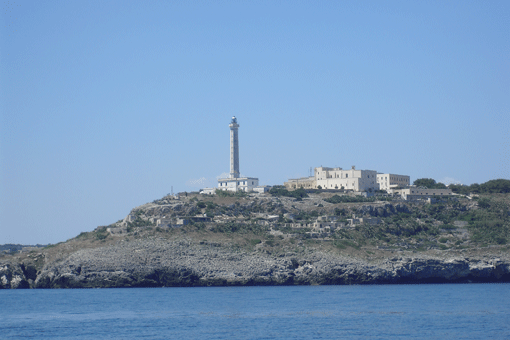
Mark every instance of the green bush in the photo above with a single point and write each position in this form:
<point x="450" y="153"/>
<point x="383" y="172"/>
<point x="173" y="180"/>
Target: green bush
<point x="280" y="190"/>
<point x="353" y="199"/>
<point x="255" y="241"/>
<point x="101" y="233"/>
<point x="224" y="193"/>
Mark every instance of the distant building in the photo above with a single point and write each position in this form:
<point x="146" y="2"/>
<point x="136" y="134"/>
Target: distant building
<point x="208" y="191"/>
<point x="352" y="179"/>
<point x="236" y="184"/>
<point x="337" y="178"/>
<point x="415" y="193"/>
<point x="391" y="181"/>
<point x="303" y="182"/>
<point x="262" y="189"/>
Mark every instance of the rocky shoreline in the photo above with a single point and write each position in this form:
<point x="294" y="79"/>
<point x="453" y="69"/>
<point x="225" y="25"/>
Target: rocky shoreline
<point x="188" y="263"/>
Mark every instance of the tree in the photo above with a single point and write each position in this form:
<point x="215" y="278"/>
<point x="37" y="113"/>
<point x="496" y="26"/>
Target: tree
<point x="429" y="183"/>
<point x="496" y="186"/>
<point x="440" y="185"/>
<point x="280" y="190"/>
<point x="425" y="182"/>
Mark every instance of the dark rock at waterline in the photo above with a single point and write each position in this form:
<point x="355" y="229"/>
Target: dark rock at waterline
<point x="158" y="263"/>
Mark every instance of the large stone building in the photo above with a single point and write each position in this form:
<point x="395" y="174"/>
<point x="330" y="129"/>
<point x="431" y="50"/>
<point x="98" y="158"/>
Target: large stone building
<point x="352" y="179"/>
<point x="235" y="182"/>
<point x="337" y="178"/>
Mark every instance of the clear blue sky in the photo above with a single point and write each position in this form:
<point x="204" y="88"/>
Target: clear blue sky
<point x="105" y="105"/>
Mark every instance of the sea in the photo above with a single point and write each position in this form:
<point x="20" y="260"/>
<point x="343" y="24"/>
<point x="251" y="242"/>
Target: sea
<point x="420" y="311"/>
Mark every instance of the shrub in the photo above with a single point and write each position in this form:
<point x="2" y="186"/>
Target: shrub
<point x="349" y="199"/>
<point x="255" y="241"/>
<point x="280" y="190"/>
<point x="484" y="203"/>
<point x="101" y="233"/>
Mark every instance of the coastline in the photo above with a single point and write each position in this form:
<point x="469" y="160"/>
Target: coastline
<point x="187" y="263"/>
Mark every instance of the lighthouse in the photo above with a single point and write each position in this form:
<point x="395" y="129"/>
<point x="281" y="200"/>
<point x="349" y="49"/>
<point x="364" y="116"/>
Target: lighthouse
<point x="235" y="182"/>
<point x="234" y="148"/>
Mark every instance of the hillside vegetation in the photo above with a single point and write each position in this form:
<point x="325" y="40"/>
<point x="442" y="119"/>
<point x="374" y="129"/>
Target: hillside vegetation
<point x="278" y="224"/>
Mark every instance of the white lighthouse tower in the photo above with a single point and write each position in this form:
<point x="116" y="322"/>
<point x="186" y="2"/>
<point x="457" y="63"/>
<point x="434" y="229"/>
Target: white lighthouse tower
<point x="235" y="182"/>
<point x="234" y="148"/>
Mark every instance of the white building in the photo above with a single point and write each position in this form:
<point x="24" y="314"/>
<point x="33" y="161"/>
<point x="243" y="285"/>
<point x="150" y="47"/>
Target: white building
<point x="391" y="181"/>
<point x="337" y="178"/>
<point x="208" y="191"/>
<point x="355" y="180"/>
<point x="262" y="189"/>
<point x="235" y="184"/>
<point x="414" y="193"/>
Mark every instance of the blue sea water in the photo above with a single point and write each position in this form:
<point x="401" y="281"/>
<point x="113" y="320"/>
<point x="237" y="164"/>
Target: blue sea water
<point x="448" y="311"/>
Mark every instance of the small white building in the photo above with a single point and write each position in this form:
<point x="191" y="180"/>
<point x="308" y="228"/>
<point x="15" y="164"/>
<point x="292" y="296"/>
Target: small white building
<point x="414" y="193"/>
<point x="246" y="184"/>
<point x="208" y="191"/>
<point x="262" y="189"/>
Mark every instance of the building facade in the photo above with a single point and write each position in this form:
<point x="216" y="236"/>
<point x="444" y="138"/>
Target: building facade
<point x="337" y="178"/>
<point x="415" y="193"/>
<point x="235" y="184"/>
<point x="303" y="182"/>
<point x="391" y="181"/>
<point x="352" y="179"/>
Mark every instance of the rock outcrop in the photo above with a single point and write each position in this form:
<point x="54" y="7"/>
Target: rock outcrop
<point x="158" y="263"/>
<point x="16" y="276"/>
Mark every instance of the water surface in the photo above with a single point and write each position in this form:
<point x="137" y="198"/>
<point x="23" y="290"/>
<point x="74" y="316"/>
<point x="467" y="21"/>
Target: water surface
<point x="433" y="311"/>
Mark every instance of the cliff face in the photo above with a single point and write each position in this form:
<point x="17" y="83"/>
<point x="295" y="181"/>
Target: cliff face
<point x="263" y="240"/>
<point x="158" y="263"/>
<point x="16" y="276"/>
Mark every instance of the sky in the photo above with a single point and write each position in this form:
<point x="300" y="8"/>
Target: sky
<point x="107" y="105"/>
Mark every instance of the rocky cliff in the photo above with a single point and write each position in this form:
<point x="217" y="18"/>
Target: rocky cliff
<point x="159" y="263"/>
